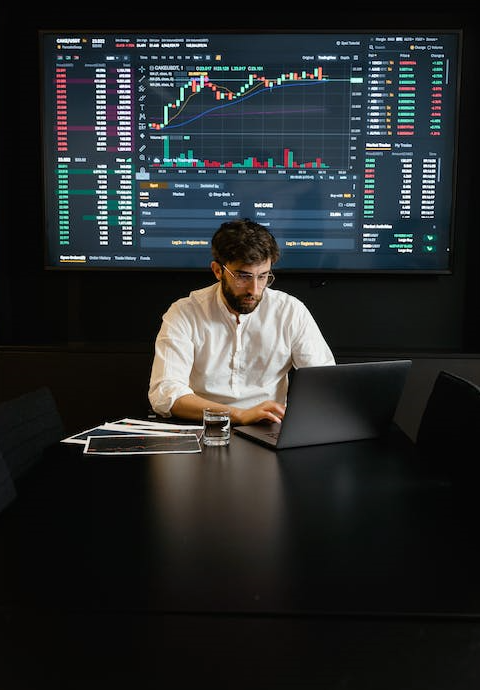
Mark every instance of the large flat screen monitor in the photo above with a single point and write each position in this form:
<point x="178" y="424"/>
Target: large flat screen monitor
<point x="343" y="144"/>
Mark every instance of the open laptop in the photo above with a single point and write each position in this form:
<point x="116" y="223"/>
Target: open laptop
<point x="331" y="404"/>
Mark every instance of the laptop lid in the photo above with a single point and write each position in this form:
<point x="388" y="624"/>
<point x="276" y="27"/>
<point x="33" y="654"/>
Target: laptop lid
<point x="332" y="404"/>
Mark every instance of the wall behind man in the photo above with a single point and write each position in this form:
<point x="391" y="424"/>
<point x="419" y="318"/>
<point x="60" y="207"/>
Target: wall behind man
<point x="356" y="314"/>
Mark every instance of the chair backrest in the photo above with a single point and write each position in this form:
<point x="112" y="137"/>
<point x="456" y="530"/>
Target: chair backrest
<point x="7" y="487"/>
<point x="451" y="419"/>
<point x="29" y="424"/>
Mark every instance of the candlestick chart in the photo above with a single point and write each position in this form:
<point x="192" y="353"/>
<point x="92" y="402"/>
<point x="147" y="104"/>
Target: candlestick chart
<point x="244" y="119"/>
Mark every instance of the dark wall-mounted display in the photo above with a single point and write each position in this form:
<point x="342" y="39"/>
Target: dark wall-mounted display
<point x="344" y="144"/>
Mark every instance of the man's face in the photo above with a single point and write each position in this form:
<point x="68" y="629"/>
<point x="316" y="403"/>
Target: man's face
<point x="244" y="289"/>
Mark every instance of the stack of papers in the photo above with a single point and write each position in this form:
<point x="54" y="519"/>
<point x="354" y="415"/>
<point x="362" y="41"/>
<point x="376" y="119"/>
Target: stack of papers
<point x="138" y="436"/>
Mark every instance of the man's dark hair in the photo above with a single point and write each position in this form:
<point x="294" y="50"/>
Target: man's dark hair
<point x="246" y="241"/>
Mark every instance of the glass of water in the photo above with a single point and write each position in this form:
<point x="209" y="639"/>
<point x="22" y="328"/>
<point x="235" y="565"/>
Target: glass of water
<point x="216" y="427"/>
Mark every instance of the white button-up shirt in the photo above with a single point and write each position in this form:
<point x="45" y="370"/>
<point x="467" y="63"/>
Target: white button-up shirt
<point x="200" y="348"/>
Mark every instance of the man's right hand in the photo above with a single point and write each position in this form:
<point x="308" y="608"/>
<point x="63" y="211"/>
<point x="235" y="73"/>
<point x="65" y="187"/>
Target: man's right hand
<point x="267" y="411"/>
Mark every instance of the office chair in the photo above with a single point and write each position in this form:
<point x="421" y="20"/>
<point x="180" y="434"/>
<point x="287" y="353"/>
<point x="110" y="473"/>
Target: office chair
<point x="449" y="426"/>
<point x="29" y="424"/>
<point x="7" y="487"/>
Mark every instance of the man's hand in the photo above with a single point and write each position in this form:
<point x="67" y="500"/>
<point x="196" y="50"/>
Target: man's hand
<point x="267" y="411"/>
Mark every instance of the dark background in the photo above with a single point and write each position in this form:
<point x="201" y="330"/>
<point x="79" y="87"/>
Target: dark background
<point x="120" y="312"/>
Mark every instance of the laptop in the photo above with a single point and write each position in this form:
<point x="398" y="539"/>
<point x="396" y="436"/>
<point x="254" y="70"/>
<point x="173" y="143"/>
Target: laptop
<point x="333" y="404"/>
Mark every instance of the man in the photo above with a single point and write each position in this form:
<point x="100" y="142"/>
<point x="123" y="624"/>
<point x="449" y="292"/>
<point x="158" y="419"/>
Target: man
<point x="233" y="343"/>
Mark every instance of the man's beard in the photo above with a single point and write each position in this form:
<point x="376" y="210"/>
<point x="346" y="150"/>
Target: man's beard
<point x="236" y="302"/>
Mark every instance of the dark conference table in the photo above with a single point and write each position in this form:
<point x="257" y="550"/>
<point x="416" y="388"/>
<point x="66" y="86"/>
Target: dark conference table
<point x="245" y="548"/>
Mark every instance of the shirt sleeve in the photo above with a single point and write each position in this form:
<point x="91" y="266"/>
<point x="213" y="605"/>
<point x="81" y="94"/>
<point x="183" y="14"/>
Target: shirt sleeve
<point x="172" y="362"/>
<point x="309" y="347"/>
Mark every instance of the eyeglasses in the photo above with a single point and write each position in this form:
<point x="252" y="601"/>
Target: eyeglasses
<point x="242" y="279"/>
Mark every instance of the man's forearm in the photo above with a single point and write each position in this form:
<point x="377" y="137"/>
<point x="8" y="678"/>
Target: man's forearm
<point x="191" y="406"/>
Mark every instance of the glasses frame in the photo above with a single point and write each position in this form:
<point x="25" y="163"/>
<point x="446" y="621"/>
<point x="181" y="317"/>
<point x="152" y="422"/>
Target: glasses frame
<point x="244" y="280"/>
